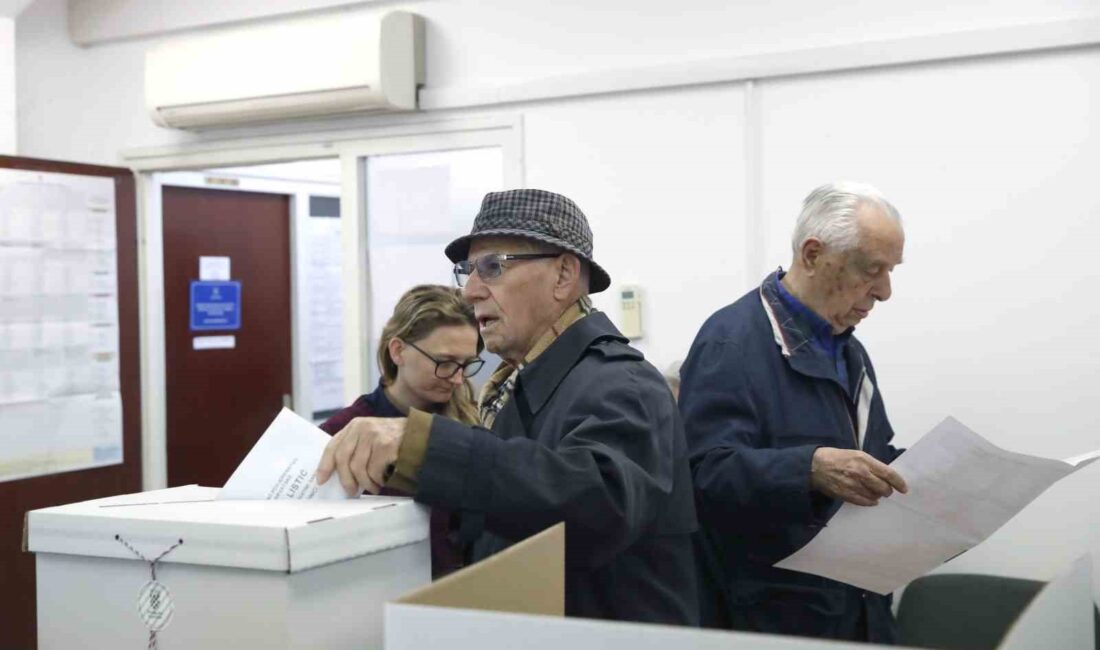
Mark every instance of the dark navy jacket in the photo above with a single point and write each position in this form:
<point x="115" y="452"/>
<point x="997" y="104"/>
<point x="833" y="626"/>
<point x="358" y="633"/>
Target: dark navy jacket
<point x="758" y="398"/>
<point x="590" y="437"/>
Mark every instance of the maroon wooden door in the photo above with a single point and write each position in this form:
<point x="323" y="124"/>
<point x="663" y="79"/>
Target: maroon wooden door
<point x="17" y="576"/>
<point x="220" y="400"/>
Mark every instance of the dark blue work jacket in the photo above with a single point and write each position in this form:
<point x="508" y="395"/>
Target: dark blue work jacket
<point x="758" y="398"/>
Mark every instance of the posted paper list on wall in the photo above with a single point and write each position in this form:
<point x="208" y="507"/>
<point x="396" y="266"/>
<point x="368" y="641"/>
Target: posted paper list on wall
<point x="60" y="405"/>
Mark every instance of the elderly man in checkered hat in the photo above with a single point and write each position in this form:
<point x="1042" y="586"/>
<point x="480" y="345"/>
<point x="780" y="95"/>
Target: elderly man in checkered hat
<point x="577" y="426"/>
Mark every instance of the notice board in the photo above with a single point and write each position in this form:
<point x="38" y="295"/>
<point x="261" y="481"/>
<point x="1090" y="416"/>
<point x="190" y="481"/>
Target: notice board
<point x="70" y="397"/>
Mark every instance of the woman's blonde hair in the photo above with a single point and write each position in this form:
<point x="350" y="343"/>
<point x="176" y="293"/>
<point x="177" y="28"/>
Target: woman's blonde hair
<point x="417" y="314"/>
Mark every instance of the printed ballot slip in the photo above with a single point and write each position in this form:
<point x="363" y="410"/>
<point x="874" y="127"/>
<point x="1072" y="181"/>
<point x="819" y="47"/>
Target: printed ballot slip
<point x="282" y="462"/>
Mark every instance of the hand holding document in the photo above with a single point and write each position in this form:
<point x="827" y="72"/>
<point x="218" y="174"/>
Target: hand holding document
<point x="281" y="464"/>
<point x="962" y="488"/>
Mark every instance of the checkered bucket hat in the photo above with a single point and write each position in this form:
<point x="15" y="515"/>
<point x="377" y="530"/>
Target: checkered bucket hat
<point x="538" y="215"/>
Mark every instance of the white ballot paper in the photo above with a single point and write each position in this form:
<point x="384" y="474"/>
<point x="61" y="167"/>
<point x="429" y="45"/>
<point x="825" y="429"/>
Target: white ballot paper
<point x="962" y="488"/>
<point x="282" y="462"/>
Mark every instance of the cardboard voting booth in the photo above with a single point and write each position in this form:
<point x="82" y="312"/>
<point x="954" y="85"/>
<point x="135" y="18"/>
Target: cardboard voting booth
<point x="514" y="600"/>
<point x="527" y="578"/>
<point x="231" y="574"/>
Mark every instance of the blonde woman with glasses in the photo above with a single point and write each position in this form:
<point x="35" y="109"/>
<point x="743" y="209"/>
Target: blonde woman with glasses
<point x="428" y="350"/>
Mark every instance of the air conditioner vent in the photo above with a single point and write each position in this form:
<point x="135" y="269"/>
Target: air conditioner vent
<point x="315" y="67"/>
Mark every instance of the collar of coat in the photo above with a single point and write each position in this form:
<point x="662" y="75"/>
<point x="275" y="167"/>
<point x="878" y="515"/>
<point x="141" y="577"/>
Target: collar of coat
<point x="540" y="377"/>
<point x="578" y="310"/>
<point x="498" y="390"/>
<point x="794" y="342"/>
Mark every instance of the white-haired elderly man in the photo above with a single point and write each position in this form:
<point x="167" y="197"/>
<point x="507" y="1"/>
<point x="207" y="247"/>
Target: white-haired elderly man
<point x="785" y="422"/>
<point x="577" y="426"/>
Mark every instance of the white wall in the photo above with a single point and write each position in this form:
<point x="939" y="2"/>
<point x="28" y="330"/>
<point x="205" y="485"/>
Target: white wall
<point x="96" y="92"/>
<point x="7" y="86"/>
<point x="692" y="191"/>
<point x="658" y="176"/>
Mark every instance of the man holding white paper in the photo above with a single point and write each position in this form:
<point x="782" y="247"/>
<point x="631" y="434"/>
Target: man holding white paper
<point x="962" y="489"/>
<point x="785" y="423"/>
<point x="577" y="426"/>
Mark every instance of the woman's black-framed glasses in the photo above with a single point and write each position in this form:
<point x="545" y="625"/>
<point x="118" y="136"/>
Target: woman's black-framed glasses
<point x="446" y="369"/>
<point x="489" y="266"/>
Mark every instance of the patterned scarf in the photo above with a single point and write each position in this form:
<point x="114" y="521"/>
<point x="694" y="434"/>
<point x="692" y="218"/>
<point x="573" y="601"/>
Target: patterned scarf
<point x="498" y="390"/>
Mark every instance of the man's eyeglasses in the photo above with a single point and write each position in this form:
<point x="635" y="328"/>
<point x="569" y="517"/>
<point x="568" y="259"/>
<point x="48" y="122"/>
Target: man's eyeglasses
<point x="446" y="369"/>
<point x="490" y="266"/>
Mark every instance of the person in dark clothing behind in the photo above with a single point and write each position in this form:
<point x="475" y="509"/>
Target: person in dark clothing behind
<point x="785" y="422"/>
<point x="427" y="349"/>
<point x="576" y="425"/>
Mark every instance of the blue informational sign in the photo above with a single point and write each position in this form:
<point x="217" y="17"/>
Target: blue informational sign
<point x="215" y="305"/>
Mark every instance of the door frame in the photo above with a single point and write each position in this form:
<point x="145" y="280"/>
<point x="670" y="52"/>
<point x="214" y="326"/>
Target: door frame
<point x="298" y="193"/>
<point x="352" y="147"/>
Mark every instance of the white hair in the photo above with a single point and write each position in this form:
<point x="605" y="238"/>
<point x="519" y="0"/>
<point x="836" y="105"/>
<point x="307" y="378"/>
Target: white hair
<point x="829" y="215"/>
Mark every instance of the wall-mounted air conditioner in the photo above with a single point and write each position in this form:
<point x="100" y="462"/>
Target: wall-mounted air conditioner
<point x="315" y="66"/>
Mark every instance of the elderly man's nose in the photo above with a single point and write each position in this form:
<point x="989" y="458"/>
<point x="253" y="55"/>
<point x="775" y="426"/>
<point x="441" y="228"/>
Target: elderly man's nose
<point x="456" y="378"/>
<point x="474" y="288"/>
<point x="883" y="289"/>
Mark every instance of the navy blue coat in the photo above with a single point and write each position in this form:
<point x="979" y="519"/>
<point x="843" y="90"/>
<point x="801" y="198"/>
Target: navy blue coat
<point x="758" y="398"/>
<point x="590" y="437"/>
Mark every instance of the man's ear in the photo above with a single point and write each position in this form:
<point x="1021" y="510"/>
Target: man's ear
<point x="569" y="273"/>
<point x="810" y="255"/>
<point x="396" y="348"/>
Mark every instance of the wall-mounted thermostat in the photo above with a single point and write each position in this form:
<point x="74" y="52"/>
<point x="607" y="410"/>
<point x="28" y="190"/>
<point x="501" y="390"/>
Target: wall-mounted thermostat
<point x="631" y="297"/>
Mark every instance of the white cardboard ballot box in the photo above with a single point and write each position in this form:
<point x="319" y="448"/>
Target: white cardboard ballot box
<point x="248" y="574"/>
<point x="515" y="600"/>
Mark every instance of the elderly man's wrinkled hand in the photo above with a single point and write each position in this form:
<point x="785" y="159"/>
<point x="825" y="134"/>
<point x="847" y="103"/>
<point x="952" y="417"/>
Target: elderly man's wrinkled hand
<point x="362" y="453"/>
<point x="853" y="476"/>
